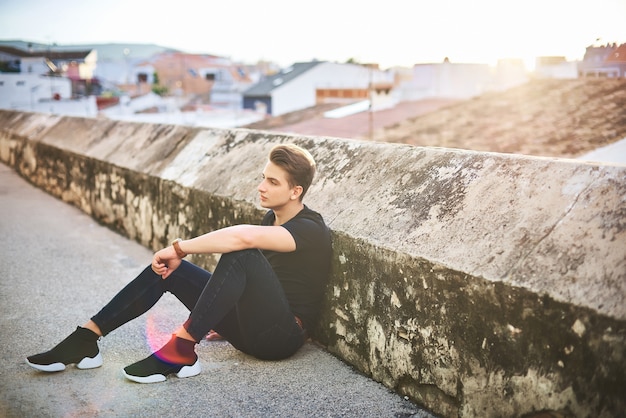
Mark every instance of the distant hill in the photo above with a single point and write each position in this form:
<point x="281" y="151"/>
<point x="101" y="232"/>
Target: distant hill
<point x="106" y="51"/>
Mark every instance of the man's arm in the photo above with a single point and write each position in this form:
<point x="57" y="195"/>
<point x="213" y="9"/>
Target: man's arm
<point x="241" y="237"/>
<point x="232" y="238"/>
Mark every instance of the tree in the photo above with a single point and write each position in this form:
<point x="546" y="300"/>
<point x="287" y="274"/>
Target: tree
<point x="157" y="88"/>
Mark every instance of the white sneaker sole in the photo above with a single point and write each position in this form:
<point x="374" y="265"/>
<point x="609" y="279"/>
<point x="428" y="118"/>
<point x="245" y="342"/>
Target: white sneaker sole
<point x="186" y="371"/>
<point x="86" y="363"/>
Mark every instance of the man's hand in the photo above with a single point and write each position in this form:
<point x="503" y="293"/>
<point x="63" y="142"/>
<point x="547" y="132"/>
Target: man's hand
<point x="165" y="261"/>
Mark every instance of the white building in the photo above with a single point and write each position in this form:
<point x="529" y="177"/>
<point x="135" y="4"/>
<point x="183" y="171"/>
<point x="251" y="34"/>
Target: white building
<point x="556" y="67"/>
<point x="47" y="81"/>
<point x="307" y="84"/>
<point x="23" y="91"/>
<point x="460" y="81"/>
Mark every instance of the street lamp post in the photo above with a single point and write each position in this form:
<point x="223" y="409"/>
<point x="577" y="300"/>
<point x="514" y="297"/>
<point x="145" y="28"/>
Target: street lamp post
<point x="126" y="53"/>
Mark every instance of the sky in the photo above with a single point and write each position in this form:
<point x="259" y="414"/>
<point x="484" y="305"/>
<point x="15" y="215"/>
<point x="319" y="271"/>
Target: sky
<point x="390" y="32"/>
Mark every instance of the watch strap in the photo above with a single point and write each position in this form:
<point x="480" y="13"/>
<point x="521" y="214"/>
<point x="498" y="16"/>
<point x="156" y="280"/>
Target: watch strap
<point x="179" y="252"/>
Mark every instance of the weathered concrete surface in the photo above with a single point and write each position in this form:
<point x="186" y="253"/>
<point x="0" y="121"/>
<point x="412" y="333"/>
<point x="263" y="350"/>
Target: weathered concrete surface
<point x="478" y="284"/>
<point x="60" y="266"/>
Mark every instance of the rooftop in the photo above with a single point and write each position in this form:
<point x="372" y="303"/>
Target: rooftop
<point x="547" y="117"/>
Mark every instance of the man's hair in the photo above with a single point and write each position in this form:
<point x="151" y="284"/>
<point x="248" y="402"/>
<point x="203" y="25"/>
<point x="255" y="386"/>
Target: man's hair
<point x="297" y="162"/>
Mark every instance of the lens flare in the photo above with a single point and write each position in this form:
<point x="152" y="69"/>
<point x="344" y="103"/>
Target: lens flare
<point x="156" y="335"/>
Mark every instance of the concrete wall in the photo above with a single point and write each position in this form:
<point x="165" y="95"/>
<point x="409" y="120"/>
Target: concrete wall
<point x="476" y="284"/>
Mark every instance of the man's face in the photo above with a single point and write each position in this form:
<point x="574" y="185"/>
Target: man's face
<point x="274" y="190"/>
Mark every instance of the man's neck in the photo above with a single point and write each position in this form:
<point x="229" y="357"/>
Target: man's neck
<point x="285" y="213"/>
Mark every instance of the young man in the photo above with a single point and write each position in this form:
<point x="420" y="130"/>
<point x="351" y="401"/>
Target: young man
<point x="265" y="291"/>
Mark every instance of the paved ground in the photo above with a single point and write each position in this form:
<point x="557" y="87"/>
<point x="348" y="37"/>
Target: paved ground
<point x="60" y="267"/>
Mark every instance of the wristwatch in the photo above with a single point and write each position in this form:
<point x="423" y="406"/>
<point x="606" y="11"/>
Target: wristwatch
<point x="179" y="252"/>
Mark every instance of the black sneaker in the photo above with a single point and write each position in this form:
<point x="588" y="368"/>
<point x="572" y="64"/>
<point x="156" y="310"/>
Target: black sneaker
<point x="153" y="370"/>
<point x="80" y="348"/>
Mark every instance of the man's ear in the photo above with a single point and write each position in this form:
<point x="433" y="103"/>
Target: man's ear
<point x="296" y="192"/>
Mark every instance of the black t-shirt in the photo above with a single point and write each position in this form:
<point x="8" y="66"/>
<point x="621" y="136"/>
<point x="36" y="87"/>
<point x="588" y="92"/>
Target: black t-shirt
<point x="303" y="273"/>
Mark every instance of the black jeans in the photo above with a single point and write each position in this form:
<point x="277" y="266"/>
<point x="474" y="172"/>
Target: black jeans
<point x="242" y="300"/>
